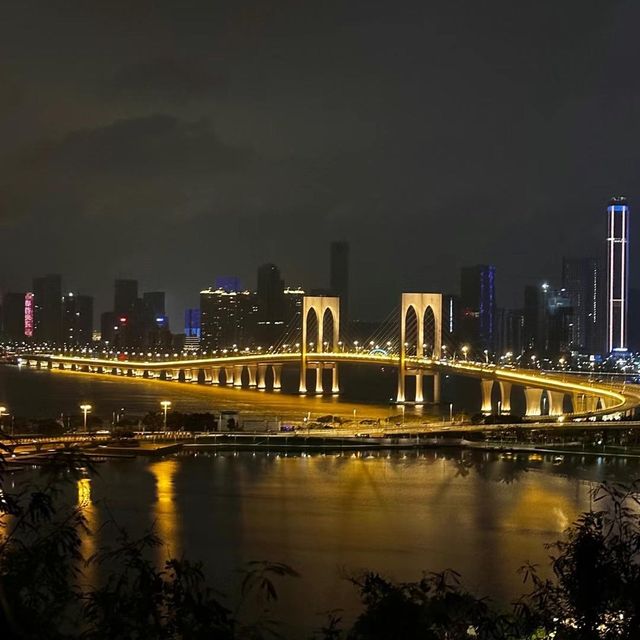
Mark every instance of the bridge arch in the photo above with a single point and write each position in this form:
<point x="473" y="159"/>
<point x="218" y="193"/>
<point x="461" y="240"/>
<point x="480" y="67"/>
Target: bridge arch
<point x="429" y="333"/>
<point x="320" y="305"/>
<point x="427" y="308"/>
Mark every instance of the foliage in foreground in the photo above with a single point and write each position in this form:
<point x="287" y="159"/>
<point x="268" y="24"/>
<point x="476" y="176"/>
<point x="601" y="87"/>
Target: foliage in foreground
<point x="594" y="592"/>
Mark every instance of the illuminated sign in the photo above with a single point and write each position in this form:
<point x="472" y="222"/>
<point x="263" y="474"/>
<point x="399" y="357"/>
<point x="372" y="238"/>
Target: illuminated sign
<point x="28" y="314"/>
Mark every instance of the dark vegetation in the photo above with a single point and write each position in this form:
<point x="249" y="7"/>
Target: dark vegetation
<point x="593" y="592"/>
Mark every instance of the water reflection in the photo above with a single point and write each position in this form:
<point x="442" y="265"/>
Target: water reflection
<point x="166" y="518"/>
<point x="88" y="537"/>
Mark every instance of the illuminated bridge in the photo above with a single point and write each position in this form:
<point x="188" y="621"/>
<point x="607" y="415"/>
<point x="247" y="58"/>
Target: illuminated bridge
<point x="412" y="344"/>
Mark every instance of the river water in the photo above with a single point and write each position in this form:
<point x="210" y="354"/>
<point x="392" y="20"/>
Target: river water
<point x="483" y="514"/>
<point x="36" y="393"/>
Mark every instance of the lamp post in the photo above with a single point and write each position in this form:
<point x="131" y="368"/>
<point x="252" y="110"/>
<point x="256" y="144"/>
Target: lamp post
<point x="85" y="408"/>
<point x="165" y="404"/>
<point x="465" y="351"/>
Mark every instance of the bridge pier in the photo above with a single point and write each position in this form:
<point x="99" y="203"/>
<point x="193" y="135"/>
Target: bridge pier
<point x="319" y="388"/>
<point x="215" y="375"/>
<point x="419" y="399"/>
<point x="505" y="396"/>
<point x="237" y="375"/>
<point x="486" y="387"/>
<point x="262" y="376"/>
<point x="252" y="369"/>
<point x="533" y="397"/>
<point x="277" y="374"/>
<point x="335" y="387"/>
<point x="556" y="402"/>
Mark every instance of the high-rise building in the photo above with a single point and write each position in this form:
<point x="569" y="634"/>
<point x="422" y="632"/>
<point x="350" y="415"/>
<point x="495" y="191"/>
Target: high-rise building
<point x="270" y="298"/>
<point x="191" y="330"/>
<point x="581" y="279"/>
<point x="227" y="319"/>
<point x="47" y="312"/>
<point x="617" y="274"/>
<point x="559" y="325"/>
<point x="13" y="325"/>
<point x="450" y="308"/>
<point x="478" y="306"/>
<point x="339" y="277"/>
<point x="293" y="299"/>
<point x="154" y="303"/>
<point x="513" y="332"/>
<point x="125" y="297"/>
<point x="77" y="319"/>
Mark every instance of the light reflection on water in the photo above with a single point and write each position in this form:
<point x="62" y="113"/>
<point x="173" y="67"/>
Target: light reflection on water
<point x="166" y="517"/>
<point x="397" y="513"/>
<point x="61" y="392"/>
<point x="88" y="537"/>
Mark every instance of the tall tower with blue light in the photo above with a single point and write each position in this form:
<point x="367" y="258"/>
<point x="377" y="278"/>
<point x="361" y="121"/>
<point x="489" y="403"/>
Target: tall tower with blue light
<point x="617" y="275"/>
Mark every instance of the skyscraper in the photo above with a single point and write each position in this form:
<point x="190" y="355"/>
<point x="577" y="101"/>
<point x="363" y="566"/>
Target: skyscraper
<point x="478" y="306"/>
<point x="77" y="319"/>
<point x="227" y="318"/>
<point x="13" y="317"/>
<point x="47" y="312"/>
<point x="581" y="278"/>
<point x="617" y="274"/>
<point x="339" y="277"/>
<point x="270" y="296"/>
<point x="125" y="297"/>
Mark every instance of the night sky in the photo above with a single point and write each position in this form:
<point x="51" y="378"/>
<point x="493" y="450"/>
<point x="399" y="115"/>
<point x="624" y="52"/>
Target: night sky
<point x="176" y="141"/>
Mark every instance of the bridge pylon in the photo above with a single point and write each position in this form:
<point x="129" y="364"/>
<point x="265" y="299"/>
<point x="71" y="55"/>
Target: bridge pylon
<point x="318" y="306"/>
<point x="422" y="305"/>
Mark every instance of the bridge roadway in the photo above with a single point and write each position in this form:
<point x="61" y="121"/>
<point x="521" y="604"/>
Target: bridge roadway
<point x="588" y="398"/>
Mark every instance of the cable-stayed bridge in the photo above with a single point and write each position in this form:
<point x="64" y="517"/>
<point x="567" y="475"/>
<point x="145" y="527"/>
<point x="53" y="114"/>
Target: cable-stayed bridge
<point x="411" y="340"/>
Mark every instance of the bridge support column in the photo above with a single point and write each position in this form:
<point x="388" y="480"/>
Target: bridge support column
<point x="400" y="397"/>
<point x="578" y="403"/>
<point x="319" y="388"/>
<point x="486" y="386"/>
<point x="419" y="391"/>
<point x="302" y="387"/>
<point x="262" y="376"/>
<point x="505" y="396"/>
<point x="277" y="374"/>
<point x="591" y="403"/>
<point x="229" y="372"/>
<point x="533" y="396"/>
<point x="607" y="402"/>
<point x="252" y="369"/>
<point x="437" y="388"/>
<point x="335" y="387"/>
<point x="556" y="402"/>
<point x="237" y="375"/>
<point x="215" y="375"/>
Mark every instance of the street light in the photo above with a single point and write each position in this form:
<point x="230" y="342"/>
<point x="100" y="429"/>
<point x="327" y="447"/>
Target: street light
<point x="85" y="408"/>
<point x="165" y="404"/>
<point x="465" y="351"/>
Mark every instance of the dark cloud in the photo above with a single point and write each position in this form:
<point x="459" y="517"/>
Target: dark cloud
<point x="171" y="80"/>
<point x="174" y="141"/>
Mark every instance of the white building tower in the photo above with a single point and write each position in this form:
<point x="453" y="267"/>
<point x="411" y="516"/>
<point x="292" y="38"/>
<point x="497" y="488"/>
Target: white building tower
<point x="617" y="275"/>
